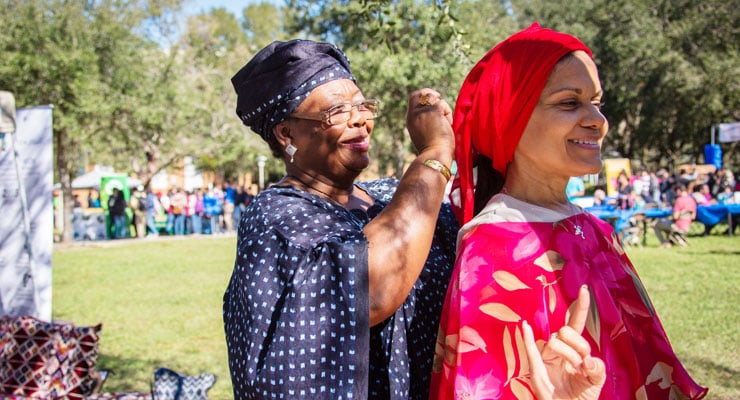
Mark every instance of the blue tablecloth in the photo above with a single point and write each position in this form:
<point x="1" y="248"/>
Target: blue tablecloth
<point x="620" y="218"/>
<point x="716" y="213"/>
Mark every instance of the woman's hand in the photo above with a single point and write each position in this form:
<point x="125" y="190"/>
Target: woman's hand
<point x="565" y="368"/>
<point x="429" y="121"/>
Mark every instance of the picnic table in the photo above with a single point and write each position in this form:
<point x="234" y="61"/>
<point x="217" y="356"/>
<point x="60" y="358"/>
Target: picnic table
<point x="713" y="214"/>
<point x="620" y="219"/>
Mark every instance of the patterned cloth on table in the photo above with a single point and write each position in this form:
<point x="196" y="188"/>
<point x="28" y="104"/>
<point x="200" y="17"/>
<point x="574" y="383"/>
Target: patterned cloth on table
<point x="42" y="359"/>
<point x="296" y="308"/>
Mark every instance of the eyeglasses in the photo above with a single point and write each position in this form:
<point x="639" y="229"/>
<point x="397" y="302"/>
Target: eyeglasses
<point x="341" y="113"/>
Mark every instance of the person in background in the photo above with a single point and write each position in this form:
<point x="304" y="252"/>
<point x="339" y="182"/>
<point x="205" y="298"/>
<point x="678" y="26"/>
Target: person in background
<point x="625" y="197"/>
<point x="667" y="182"/>
<point x="575" y="187"/>
<point x="337" y="285"/>
<point x="702" y="195"/>
<point x="229" y="204"/>
<point x="239" y="204"/>
<point x="93" y="199"/>
<point x="178" y="203"/>
<point x="600" y="196"/>
<point x="117" y="212"/>
<point x="212" y="210"/>
<point x="166" y="202"/>
<point x="673" y="230"/>
<point x="153" y="208"/>
<point x="137" y="202"/>
<point x="193" y="219"/>
<point x="727" y="196"/>
<point x="539" y="284"/>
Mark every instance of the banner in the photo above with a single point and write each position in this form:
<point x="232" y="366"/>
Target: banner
<point x="26" y="176"/>
<point x="729" y="132"/>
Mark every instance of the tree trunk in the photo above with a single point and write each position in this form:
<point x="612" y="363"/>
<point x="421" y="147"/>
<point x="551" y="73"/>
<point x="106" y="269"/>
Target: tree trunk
<point x="62" y="164"/>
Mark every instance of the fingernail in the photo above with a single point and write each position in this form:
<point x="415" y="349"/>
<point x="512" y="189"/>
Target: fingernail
<point x="584" y="286"/>
<point x="589" y="364"/>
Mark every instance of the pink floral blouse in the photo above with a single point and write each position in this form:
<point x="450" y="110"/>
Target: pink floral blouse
<point x="512" y="271"/>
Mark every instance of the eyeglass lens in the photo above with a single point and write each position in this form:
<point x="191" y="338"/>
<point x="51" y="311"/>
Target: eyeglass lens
<point x="341" y="114"/>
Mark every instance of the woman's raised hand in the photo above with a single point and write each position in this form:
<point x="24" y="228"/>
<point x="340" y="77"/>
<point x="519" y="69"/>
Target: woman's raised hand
<point x="565" y="369"/>
<point x="429" y="121"/>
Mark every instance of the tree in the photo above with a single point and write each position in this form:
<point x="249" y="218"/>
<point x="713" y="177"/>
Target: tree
<point x="669" y="69"/>
<point x="395" y="47"/>
<point x="84" y="59"/>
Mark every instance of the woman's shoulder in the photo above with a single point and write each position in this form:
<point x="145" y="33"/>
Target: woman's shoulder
<point x="380" y="189"/>
<point x="297" y="216"/>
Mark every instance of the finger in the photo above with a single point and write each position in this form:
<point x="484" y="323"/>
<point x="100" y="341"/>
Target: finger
<point x="595" y="370"/>
<point x="446" y="110"/>
<point x="540" y="380"/>
<point x="575" y="340"/>
<point x="428" y="97"/>
<point x="557" y="348"/>
<point x="577" y="320"/>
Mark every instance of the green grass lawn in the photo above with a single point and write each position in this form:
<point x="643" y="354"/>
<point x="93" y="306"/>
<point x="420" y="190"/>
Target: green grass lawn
<point x="160" y="305"/>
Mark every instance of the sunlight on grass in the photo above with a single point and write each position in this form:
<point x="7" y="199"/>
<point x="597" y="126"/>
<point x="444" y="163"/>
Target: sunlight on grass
<point x="160" y="305"/>
<point x="695" y="292"/>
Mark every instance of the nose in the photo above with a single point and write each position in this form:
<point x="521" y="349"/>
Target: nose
<point x="357" y="118"/>
<point x="596" y="120"/>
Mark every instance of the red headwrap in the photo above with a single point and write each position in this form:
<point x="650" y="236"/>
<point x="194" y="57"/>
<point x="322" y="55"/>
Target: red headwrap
<point x="497" y="99"/>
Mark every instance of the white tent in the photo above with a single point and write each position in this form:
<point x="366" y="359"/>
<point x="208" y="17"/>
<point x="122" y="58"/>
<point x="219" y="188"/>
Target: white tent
<point x="91" y="180"/>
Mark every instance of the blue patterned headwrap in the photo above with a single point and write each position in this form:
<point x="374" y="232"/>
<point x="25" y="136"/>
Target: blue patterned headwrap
<point x="280" y="76"/>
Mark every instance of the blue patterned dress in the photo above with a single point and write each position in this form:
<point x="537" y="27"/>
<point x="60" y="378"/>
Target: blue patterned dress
<point x="296" y="311"/>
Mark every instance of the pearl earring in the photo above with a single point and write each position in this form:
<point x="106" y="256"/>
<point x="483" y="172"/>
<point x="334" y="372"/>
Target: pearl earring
<point x="290" y="149"/>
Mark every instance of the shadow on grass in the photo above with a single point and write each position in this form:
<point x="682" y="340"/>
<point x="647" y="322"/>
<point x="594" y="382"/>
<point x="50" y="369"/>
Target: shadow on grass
<point x="723" y="374"/>
<point x="718" y="252"/>
<point x="128" y="374"/>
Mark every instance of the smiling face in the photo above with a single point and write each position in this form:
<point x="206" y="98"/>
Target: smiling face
<point x="337" y="152"/>
<point x="566" y="129"/>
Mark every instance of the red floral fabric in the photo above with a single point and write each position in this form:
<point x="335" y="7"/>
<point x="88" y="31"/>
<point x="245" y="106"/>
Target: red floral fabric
<point x="43" y="360"/>
<point x="508" y="272"/>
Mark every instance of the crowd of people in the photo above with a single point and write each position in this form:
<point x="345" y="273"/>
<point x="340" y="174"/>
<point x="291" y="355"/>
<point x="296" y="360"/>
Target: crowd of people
<point x="682" y="190"/>
<point x="648" y="188"/>
<point x="175" y="212"/>
<point x="211" y="211"/>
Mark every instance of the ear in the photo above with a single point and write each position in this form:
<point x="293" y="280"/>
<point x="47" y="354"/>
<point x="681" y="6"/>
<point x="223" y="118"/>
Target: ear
<point x="282" y="132"/>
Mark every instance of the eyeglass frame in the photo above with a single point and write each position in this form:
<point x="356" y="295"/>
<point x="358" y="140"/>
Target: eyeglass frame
<point x="326" y="115"/>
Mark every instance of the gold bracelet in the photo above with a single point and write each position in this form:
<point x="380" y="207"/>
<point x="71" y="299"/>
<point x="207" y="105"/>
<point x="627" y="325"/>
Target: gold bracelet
<point x="438" y="166"/>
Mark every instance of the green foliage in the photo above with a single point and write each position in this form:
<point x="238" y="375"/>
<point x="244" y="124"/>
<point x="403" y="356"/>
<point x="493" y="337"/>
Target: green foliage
<point x="395" y="47"/>
<point x="124" y="84"/>
<point x="669" y="70"/>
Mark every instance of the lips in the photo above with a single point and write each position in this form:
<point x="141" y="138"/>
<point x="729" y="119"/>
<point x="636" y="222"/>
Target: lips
<point x="358" y="144"/>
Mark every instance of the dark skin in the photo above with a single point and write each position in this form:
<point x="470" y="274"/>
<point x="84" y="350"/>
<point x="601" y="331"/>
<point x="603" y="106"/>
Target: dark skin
<point x="329" y="160"/>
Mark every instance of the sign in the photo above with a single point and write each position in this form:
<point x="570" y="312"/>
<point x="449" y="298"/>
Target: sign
<point x="26" y="179"/>
<point x="612" y="168"/>
<point x="729" y="132"/>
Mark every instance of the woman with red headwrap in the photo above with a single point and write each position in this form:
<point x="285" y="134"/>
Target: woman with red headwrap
<point x="532" y="269"/>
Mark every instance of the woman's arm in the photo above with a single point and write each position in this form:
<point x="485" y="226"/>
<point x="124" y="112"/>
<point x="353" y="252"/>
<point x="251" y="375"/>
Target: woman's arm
<point x="400" y="237"/>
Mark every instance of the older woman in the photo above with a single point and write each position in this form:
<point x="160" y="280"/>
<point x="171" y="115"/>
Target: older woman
<point x="535" y="273"/>
<point x="338" y="284"/>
